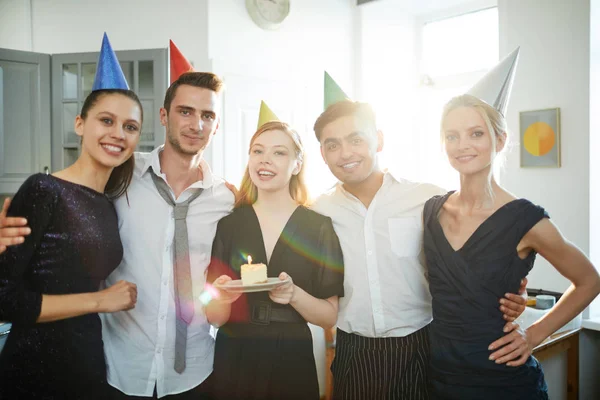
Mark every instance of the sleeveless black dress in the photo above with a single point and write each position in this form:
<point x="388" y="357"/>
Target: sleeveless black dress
<point x="465" y="286"/>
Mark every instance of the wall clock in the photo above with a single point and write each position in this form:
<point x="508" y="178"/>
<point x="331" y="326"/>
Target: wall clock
<point x="268" y="14"/>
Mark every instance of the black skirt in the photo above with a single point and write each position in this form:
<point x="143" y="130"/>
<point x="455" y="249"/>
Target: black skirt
<point x="272" y="361"/>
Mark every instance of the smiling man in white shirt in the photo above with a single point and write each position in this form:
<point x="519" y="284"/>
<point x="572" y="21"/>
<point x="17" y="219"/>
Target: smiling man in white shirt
<point x="141" y="345"/>
<point x="382" y="349"/>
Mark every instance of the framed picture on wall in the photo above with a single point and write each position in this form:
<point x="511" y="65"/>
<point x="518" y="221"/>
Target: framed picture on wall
<point x="539" y="138"/>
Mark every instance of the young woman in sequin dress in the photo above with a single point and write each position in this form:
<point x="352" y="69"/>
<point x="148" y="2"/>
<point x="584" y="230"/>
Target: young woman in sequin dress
<point x="49" y="284"/>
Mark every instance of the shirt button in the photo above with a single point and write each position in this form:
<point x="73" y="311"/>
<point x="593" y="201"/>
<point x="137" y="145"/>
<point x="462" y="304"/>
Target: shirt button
<point x="370" y="252"/>
<point x="162" y="317"/>
<point x="165" y="282"/>
<point x="159" y="351"/>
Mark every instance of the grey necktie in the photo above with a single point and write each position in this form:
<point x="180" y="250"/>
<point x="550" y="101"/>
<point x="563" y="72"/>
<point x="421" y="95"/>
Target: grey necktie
<point x="182" y="275"/>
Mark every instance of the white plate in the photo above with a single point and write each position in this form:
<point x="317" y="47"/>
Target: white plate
<point x="237" y="287"/>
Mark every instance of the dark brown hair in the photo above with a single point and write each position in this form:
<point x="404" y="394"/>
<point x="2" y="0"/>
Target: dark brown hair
<point x="206" y="80"/>
<point x="341" y="109"/>
<point x="298" y="190"/>
<point x="120" y="177"/>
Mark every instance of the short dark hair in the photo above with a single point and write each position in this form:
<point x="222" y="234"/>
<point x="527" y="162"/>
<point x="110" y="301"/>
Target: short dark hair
<point x="206" y="80"/>
<point x="341" y="109"/>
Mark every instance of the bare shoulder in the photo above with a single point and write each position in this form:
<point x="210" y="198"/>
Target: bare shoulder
<point x="504" y="197"/>
<point x="452" y="204"/>
<point x="542" y="233"/>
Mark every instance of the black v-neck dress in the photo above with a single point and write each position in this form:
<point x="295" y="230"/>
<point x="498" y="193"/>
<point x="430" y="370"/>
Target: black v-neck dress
<point x="466" y="285"/>
<point x="74" y="244"/>
<point x="274" y="360"/>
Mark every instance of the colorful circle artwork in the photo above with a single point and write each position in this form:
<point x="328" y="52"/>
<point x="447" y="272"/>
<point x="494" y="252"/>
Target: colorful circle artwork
<point x="539" y="138"/>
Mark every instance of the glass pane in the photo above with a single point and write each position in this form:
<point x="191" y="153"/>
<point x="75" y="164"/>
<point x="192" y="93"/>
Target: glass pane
<point x="448" y="44"/>
<point x="69" y="81"/>
<point x="19" y="101"/>
<point x="88" y="72"/>
<point x="127" y="67"/>
<point x="70" y="156"/>
<point x="148" y="125"/>
<point x="147" y="136"/>
<point x="146" y="78"/>
<point x="145" y="148"/>
<point x="70" y="111"/>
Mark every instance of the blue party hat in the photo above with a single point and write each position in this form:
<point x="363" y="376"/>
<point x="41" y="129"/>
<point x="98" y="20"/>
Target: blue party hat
<point x="109" y="74"/>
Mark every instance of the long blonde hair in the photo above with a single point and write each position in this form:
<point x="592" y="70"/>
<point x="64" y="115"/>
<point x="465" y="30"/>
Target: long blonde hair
<point x="298" y="190"/>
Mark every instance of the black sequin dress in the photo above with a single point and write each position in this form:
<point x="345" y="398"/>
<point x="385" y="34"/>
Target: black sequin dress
<point x="73" y="246"/>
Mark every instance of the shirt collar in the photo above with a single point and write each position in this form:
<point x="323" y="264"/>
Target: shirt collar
<point x="388" y="178"/>
<point x="153" y="161"/>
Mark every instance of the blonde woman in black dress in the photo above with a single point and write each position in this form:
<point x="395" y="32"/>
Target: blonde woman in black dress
<point x="480" y="242"/>
<point x="264" y="345"/>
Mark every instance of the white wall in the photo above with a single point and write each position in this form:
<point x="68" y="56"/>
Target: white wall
<point x="595" y="142"/>
<point x="71" y="26"/>
<point x="388" y="78"/>
<point x="15" y="25"/>
<point x="317" y="35"/>
<point x="553" y="71"/>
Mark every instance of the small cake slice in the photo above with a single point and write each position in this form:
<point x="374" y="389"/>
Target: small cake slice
<point x="254" y="273"/>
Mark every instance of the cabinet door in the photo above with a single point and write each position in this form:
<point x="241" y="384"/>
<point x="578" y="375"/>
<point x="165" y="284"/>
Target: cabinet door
<point x="72" y="80"/>
<point x="24" y="117"/>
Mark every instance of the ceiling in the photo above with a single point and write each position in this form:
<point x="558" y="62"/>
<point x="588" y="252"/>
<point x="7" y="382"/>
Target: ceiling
<point x="417" y="7"/>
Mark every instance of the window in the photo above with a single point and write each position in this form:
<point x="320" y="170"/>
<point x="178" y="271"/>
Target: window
<point x="462" y="44"/>
<point x="455" y="53"/>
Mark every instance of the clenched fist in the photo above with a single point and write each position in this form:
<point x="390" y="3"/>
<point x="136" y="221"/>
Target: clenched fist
<point x="121" y="296"/>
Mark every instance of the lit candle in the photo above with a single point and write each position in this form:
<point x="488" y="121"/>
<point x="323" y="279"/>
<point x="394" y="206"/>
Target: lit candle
<point x="253" y="273"/>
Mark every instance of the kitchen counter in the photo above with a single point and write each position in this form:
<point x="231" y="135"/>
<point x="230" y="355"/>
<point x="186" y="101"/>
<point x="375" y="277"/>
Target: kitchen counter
<point x="565" y="341"/>
<point x="592" y="323"/>
<point x="555" y="339"/>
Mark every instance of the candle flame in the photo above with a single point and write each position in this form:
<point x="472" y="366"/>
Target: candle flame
<point x="249" y="259"/>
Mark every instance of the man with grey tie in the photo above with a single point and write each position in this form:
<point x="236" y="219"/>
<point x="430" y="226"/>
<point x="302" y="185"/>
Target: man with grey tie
<point x="163" y="347"/>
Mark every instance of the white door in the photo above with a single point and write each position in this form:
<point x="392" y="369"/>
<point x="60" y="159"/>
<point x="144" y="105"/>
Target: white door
<point x="24" y="117"/>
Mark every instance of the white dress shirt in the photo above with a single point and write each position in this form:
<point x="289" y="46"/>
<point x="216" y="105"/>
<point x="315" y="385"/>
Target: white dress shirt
<point x="140" y="344"/>
<point x="386" y="293"/>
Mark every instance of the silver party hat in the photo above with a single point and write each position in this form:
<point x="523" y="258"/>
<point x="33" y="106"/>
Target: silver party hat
<point x="494" y="87"/>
